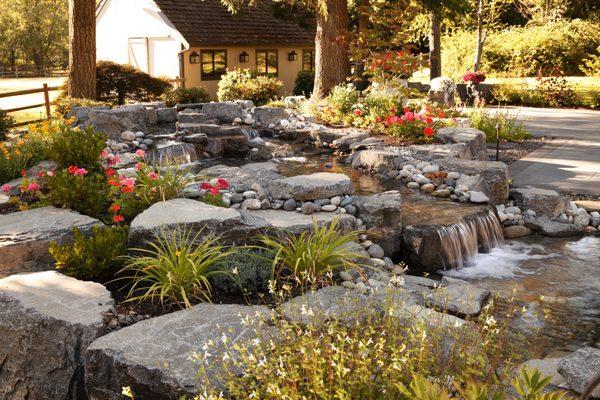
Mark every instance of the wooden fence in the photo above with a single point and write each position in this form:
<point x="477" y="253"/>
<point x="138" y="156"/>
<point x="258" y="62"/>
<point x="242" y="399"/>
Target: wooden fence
<point x="46" y="104"/>
<point x="31" y="71"/>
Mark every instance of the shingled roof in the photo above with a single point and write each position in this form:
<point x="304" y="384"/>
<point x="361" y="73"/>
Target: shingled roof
<point x="209" y="23"/>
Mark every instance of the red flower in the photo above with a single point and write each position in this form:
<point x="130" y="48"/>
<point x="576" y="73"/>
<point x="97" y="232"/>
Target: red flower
<point x="377" y="119"/>
<point x="72" y="169"/>
<point x="40" y="174"/>
<point x="205" y="186"/>
<point x="428" y="131"/>
<point x="127" y="189"/>
<point x="429" y="120"/>
<point x="114" y="182"/>
<point x="118" y="218"/>
<point x="110" y="172"/>
<point x="115" y="208"/>
<point x="222" y="183"/>
<point x="24" y="173"/>
<point x="357" y="112"/>
<point x="214" y="190"/>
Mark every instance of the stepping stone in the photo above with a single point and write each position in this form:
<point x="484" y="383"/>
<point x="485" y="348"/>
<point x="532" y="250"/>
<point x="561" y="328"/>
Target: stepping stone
<point x="155" y="357"/>
<point x="26" y="235"/>
<point x="47" y="322"/>
<point x="311" y="187"/>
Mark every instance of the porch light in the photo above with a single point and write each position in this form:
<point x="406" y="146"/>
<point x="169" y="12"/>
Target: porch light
<point x="244" y="57"/>
<point x="292" y="56"/>
<point x="194" y="58"/>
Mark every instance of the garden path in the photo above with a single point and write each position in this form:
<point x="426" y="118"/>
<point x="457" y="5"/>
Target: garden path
<point x="570" y="162"/>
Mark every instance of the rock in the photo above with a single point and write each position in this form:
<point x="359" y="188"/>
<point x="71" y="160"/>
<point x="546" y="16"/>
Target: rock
<point x="166" y="114"/>
<point x="122" y="118"/>
<point x="336" y="200"/>
<point x="489" y="177"/>
<point x="127" y="136"/>
<point x="308" y="208"/>
<point x="548" y="367"/>
<point x="252" y="204"/>
<point x="376" y="251"/>
<point x="81" y="114"/>
<point x="559" y="229"/>
<point x="155" y="358"/>
<point x="343" y="143"/>
<point x="242" y="178"/>
<point x="47" y="322"/>
<point x="473" y="138"/>
<point x="26" y="235"/>
<point x="459" y="298"/>
<point x="516" y="231"/>
<point x="413" y="185"/>
<point x="443" y="193"/>
<point x="580" y="368"/>
<point x="421" y="179"/>
<point x="310" y="187"/>
<point x="581" y="220"/>
<point x="329" y="303"/>
<point x="193" y="118"/>
<point x="542" y="201"/>
<point x="329" y="208"/>
<point x="431" y="168"/>
<point x="478" y="197"/>
<point x="270" y="115"/>
<point x="290" y="205"/>
<point x="428" y="188"/>
<point x="380" y="160"/>
<point x="225" y="112"/>
<point x="382" y="214"/>
<point x="280" y="222"/>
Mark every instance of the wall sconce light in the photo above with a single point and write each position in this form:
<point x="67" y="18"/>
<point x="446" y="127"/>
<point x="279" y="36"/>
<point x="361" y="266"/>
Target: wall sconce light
<point x="194" y="58"/>
<point x="292" y="56"/>
<point x="244" y="57"/>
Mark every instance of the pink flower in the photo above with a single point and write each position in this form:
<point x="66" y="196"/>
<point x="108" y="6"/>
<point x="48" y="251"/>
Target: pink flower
<point x="153" y="176"/>
<point x="154" y="190"/>
<point x="104" y="154"/>
<point x="50" y="173"/>
<point x="118" y="218"/>
<point x="80" y="172"/>
<point x="128" y="182"/>
<point x="214" y="190"/>
<point x="140" y="153"/>
<point x="409" y="116"/>
<point x="222" y="183"/>
<point x="6" y="188"/>
<point x="205" y="186"/>
<point x="33" y="187"/>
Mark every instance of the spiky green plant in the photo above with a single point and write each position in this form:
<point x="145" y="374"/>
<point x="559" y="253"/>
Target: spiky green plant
<point x="176" y="269"/>
<point x="308" y="257"/>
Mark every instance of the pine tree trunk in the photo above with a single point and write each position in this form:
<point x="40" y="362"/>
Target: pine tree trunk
<point x="332" y="66"/>
<point x="435" y="53"/>
<point x="480" y="38"/>
<point x="82" y="48"/>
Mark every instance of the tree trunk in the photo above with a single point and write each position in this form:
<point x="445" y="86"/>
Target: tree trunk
<point x="435" y="53"/>
<point x="82" y="48"/>
<point x="332" y="66"/>
<point x="363" y="26"/>
<point x="480" y="38"/>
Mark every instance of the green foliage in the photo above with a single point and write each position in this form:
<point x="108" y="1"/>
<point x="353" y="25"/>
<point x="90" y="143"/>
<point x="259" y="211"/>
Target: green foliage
<point x="64" y="104"/>
<point x="591" y="66"/>
<point x="343" y="97"/>
<point x="305" y="81"/>
<point x="307" y="259"/>
<point x="87" y="194"/>
<point x="117" y="83"/>
<point x="73" y="146"/>
<point x="246" y="272"/>
<point x="525" y="51"/>
<point x="380" y="102"/>
<point x="276" y="104"/>
<point x="499" y="123"/>
<point x="245" y="85"/>
<point x="530" y="385"/>
<point x="90" y="256"/>
<point x="557" y="91"/>
<point x="6" y="122"/>
<point x="181" y="95"/>
<point x="176" y="269"/>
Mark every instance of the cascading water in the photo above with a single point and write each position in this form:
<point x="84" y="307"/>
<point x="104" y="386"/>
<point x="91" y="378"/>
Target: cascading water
<point x="250" y="133"/>
<point x="172" y="152"/>
<point x="461" y="242"/>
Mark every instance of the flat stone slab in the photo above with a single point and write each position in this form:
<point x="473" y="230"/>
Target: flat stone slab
<point x="580" y="368"/>
<point x="310" y="187"/>
<point x="542" y="201"/>
<point x="381" y="160"/>
<point x="47" y="322"/>
<point x="432" y="152"/>
<point x="210" y="129"/>
<point x="155" y="357"/>
<point x="242" y="178"/>
<point x="281" y="221"/>
<point x="460" y="299"/>
<point x="589" y="205"/>
<point x="26" y="235"/>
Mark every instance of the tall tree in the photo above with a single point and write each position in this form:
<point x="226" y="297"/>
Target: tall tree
<point x="82" y="48"/>
<point x="487" y="17"/>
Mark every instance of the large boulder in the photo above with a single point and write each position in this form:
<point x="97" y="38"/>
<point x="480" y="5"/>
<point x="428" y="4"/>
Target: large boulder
<point x="270" y="115"/>
<point x="382" y="214"/>
<point x="559" y="229"/>
<point x="119" y="119"/>
<point x="80" y="114"/>
<point x="224" y="111"/>
<point x="381" y="160"/>
<point x="489" y="177"/>
<point x="459" y="298"/>
<point x="349" y="138"/>
<point x="242" y="178"/>
<point x="432" y="152"/>
<point x="473" y="138"/>
<point x="311" y="187"/>
<point x="155" y="357"/>
<point x="580" y="368"/>
<point x="47" y="322"/>
<point x="26" y="235"/>
<point x="542" y="201"/>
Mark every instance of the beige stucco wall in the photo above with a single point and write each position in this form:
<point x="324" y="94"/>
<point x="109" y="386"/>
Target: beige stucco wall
<point x="288" y="70"/>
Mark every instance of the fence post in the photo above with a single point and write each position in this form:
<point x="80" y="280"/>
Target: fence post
<point x="47" y="101"/>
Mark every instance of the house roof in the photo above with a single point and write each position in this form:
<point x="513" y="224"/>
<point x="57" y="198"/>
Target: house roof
<point x="209" y="23"/>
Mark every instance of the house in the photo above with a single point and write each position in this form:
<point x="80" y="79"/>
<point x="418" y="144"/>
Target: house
<point x="196" y="41"/>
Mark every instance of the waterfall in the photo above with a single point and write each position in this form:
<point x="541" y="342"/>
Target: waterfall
<point x="170" y="152"/>
<point x="250" y="133"/>
<point x="461" y="242"/>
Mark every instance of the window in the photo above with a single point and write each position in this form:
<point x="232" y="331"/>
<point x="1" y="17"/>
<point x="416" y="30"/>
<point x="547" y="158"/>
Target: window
<point x="266" y="62"/>
<point x="214" y="64"/>
<point x="308" y="60"/>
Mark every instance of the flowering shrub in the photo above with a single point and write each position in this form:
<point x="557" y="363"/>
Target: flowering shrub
<point x="212" y="190"/>
<point x="246" y="85"/>
<point x="474" y="77"/>
<point x="72" y="146"/>
<point x="391" y="66"/>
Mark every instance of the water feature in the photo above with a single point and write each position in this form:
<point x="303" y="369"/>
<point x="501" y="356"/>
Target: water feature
<point x="172" y="152"/>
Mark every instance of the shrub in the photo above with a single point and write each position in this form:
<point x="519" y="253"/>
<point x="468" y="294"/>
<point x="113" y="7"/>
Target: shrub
<point x="6" y="122"/>
<point x="117" y="83"/>
<point x="246" y="272"/>
<point x="591" y="66"/>
<point x="501" y="123"/>
<point x="276" y="104"/>
<point x="86" y="194"/>
<point x="305" y="82"/>
<point x="176" y="270"/>
<point x="245" y="85"/>
<point x="557" y="91"/>
<point x="64" y="104"/>
<point x="73" y="146"/>
<point x="180" y="95"/>
<point x="307" y="259"/>
<point x="89" y="257"/>
<point x="343" y="97"/>
<point x="524" y="51"/>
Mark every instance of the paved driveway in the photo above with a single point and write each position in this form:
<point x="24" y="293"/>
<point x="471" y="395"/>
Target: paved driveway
<point x="571" y="162"/>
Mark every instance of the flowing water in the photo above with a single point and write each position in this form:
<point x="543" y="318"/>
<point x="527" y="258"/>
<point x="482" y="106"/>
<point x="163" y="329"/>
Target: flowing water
<point x="170" y="152"/>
